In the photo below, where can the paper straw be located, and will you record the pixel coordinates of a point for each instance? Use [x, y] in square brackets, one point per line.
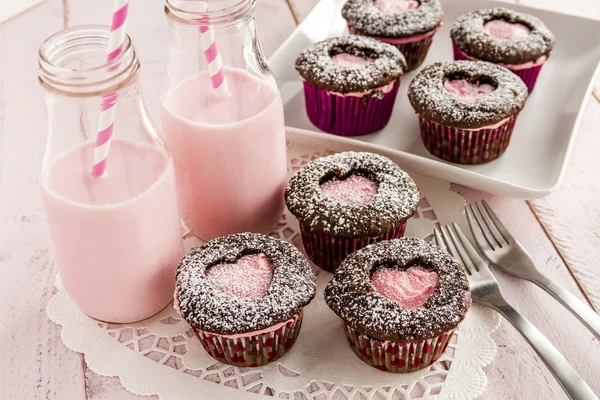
[109, 101]
[213, 57]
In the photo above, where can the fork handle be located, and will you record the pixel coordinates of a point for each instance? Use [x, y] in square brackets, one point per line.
[581, 310]
[569, 379]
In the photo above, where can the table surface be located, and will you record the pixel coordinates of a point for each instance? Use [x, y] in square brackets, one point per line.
[561, 231]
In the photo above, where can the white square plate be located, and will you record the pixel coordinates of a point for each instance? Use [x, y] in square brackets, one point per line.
[533, 164]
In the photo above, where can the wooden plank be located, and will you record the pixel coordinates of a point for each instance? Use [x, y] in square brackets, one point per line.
[571, 216]
[35, 363]
[517, 373]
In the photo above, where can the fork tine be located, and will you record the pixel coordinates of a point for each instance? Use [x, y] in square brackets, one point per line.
[459, 249]
[479, 233]
[468, 247]
[498, 224]
[438, 239]
[486, 225]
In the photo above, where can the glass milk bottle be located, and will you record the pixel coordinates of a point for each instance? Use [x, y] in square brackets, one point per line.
[222, 118]
[116, 237]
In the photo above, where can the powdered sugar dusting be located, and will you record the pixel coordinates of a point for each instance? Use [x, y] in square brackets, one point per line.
[501, 29]
[322, 64]
[430, 98]
[410, 288]
[353, 297]
[249, 277]
[208, 308]
[396, 199]
[378, 18]
[395, 6]
[469, 34]
[467, 91]
[354, 190]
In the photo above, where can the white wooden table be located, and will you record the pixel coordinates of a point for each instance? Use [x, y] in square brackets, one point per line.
[561, 231]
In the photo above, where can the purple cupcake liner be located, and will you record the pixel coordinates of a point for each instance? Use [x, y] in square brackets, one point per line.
[414, 52]
[465, 146]
[397, 356]
[255, 350]
[528, 75]
[328, 252]
[348, 115]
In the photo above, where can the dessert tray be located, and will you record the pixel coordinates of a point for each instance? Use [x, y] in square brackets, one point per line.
[535, 161]
[161, 356]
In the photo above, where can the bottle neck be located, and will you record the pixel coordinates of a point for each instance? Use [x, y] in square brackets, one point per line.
[73, 63]
[216, 14]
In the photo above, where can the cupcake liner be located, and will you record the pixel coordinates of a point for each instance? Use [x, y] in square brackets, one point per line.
[414, 52]
[348, 115]
[528, 75]
[328, 252]
[397, 356]
[255, 350]
[465, 146]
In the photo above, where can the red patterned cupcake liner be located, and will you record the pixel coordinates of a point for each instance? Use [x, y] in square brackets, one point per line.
[397, 356]
[528, 75]
[252, 351]
[465, 146]
[348, 115]
[328, 252]
[414, 52]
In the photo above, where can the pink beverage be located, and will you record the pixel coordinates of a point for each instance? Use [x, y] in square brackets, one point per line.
[116, 238]
[229, 153]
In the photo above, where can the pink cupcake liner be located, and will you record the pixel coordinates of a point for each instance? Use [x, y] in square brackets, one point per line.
[397, 356]
[528, 75]
[464, 146]
[255, 350]
[348, 115]
[415, 52]
[328, 252]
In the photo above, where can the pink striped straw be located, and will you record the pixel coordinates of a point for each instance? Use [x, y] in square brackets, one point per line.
[109, 101]
[213, 57]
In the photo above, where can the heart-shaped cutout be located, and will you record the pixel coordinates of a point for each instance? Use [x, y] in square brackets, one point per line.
[504, 30]
[355, 189]
[249, 277]
[466, 90]
[395, 6]
[411, 287]
[349, 61]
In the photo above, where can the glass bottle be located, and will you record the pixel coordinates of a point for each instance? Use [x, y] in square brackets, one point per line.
[116, 237]
[228, 144]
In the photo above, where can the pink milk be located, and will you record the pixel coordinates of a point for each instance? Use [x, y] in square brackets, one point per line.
[229, 153]
[117, 238]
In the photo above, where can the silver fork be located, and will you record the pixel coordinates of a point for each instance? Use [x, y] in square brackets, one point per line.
[507, 254]
[485, 290]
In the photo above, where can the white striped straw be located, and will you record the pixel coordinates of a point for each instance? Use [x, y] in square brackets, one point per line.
[109, 101]
[213, 57]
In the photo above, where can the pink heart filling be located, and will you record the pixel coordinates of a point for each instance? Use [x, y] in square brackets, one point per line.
[467, 91]
[354, 190]
[411, 287]
[348, 61]
[395, 6]
[249, 277]
[501, 29]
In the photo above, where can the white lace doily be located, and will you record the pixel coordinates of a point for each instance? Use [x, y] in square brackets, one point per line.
[161, 356]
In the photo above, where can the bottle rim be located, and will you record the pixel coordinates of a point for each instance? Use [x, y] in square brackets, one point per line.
[57, 73]
[213, 13]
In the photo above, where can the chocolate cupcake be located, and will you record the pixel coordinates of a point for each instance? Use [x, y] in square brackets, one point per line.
[243, 295]
[350, 84]
[400, 301]
[467, 109]
[347, 201]
[517, 41]
[407, 24]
